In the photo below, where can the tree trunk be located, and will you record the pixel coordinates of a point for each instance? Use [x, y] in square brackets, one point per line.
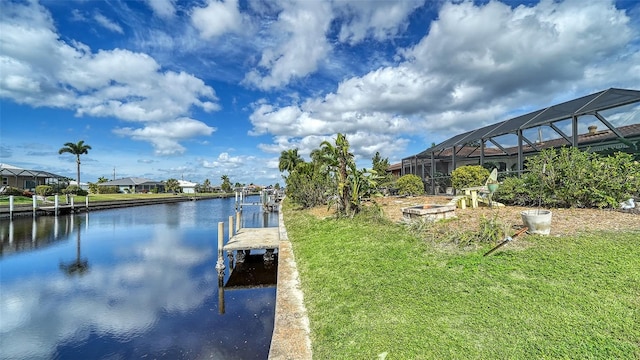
[78, 178]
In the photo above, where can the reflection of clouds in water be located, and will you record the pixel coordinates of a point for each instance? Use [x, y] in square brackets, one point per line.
[120, 301]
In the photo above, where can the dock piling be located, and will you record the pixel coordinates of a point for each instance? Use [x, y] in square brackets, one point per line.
[34, 199]
[238, 219]
[11, 207]
[56, 204]
[220, 264]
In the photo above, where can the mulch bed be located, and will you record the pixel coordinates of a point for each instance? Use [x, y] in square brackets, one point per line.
[563, 222]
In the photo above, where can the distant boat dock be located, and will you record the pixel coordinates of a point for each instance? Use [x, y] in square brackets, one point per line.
[269, 200]
[68, 207]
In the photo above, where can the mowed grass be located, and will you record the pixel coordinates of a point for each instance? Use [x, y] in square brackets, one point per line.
[373, 290]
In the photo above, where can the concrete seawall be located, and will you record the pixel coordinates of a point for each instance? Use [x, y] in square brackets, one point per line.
[291, 326]
[27, 209]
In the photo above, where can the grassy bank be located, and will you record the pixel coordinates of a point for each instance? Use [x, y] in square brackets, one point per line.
[372, 288]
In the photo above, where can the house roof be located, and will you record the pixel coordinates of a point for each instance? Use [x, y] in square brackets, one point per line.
[587, 139]
[396, 166]
[629, 131]
[130, 181]
[590, 104]
[10, 170]
[184, 183]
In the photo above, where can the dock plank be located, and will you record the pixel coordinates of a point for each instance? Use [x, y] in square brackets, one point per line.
[253, 239]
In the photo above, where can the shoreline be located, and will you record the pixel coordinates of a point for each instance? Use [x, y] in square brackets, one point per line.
[22, 210]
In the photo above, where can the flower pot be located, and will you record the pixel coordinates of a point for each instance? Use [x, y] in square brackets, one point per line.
[537, 221]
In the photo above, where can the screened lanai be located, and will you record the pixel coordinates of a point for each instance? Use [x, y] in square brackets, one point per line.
[13, 176]
[602, 121]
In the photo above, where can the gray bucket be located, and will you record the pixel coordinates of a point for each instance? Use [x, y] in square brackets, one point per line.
[537, 221]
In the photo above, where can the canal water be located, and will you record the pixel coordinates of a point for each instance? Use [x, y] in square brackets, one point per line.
[129, 283]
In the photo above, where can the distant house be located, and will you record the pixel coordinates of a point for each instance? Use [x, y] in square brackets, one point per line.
[395, 170]
[135, 185]
[187, 187]
[83, 186]
[25, 179]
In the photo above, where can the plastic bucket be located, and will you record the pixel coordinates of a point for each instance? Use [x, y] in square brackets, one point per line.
[537, 221]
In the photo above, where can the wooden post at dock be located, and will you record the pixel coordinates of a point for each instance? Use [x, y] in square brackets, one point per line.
[86, 202]
[11, 207]
[238, 219]
[34, 199]
[230, 226]
[72, 209]
[56, 203]
[221, 295]
[220, 264]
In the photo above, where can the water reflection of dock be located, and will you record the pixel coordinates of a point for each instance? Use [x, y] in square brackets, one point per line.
[253, 273]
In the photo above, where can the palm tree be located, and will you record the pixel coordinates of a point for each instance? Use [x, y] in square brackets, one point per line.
[339, 159]
[77, 150]
[288, 160]
[226, 183]
[172, 185]
[206, 185]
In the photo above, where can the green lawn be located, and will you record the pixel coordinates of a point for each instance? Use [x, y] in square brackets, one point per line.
[372, 288]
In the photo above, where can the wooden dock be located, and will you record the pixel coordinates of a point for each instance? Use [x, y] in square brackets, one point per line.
[62, 209]
[253, 239]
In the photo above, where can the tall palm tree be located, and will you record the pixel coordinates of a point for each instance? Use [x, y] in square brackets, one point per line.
[206, 185]
[288, 160]
[77, 150]
[226, 183]
[339, 159]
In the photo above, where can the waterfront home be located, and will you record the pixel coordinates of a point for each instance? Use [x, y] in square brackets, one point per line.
[13, 176]
[187, 187]
[135, 185]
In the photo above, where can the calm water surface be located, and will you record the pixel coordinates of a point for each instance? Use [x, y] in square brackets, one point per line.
[129, 283]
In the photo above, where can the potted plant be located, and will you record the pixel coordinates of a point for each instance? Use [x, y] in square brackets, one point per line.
[538, 221]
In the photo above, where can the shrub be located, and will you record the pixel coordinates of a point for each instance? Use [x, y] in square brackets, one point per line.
[108, 190]
[568, 177]
[44, 190]
[75, 189]
[468, 176]
[10, 190]
[410, 185]
[307, 187]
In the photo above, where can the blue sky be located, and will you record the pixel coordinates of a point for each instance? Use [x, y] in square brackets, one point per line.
[200, 89]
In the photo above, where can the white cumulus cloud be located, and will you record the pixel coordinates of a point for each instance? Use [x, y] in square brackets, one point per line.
[124, 84]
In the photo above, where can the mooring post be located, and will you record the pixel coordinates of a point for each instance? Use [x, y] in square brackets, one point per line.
[34, 199]
[238, 219]
[86, 202]
[220, 264]
[72, 208]
[11, 207]
[230, 226]
[56, 202]
[220, 295]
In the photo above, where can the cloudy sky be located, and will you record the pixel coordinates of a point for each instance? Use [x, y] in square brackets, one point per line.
[201, 89]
